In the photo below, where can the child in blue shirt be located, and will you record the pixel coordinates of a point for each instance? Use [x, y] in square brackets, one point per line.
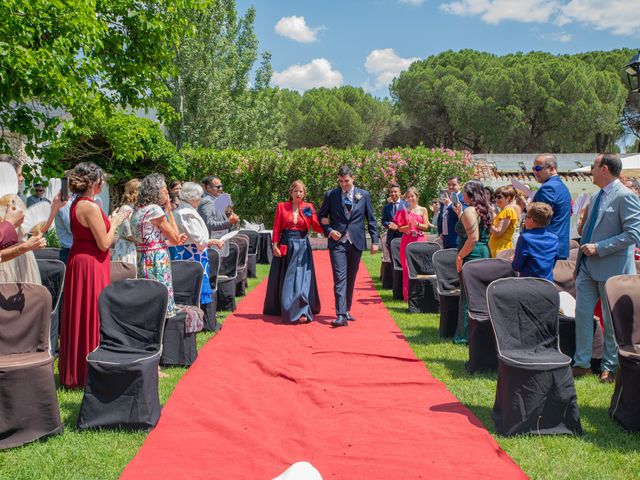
[537, 249]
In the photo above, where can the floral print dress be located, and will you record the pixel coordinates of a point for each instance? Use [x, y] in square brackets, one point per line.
[153, 256]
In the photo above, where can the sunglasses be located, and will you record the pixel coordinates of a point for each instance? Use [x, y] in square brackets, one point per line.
[537, 168]
[499, 196]
[39, 191]
[218, 187]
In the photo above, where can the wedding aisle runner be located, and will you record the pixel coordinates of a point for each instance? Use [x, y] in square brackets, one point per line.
[353, 401]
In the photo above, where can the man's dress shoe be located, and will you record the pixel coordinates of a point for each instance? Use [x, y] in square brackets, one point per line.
[341, 321]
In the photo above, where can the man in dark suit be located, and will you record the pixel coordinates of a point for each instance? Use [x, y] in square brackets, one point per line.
[447, 217]
[342, 215]
[389, 211]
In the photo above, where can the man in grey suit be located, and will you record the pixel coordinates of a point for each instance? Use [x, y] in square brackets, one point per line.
[609, 235]
[217, 221]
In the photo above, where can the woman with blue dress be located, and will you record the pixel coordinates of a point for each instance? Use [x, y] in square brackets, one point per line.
[292, 292]
[190, 223]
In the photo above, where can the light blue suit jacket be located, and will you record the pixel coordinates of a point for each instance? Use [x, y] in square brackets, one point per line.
[616, 232]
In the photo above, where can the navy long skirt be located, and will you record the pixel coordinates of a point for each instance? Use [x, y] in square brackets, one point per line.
[291, 289]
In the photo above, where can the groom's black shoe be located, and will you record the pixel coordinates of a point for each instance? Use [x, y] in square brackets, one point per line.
[341, 321]
[349, 317]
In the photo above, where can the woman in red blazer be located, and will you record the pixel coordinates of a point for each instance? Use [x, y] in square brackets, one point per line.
[292, 292]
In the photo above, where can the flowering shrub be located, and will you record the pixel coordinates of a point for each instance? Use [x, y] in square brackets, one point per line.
[258, 179]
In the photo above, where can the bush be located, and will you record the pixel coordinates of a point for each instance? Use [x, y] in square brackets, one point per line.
[258, 179]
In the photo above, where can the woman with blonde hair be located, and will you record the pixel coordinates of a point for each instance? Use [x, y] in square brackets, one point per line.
[292, 292]
[125, 249]
[505, 223]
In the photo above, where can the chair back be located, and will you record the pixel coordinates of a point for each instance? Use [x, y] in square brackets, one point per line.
[386, 254]
[477, 275]
[122, 271]
[563, 276]
[253, 237]
[214, 267]
[623, 295]
[420, 258]
[52, 275]
[132, 315]
[229, 264]
[187, 279]
[395, 253]
[524, 314]
[242, 241]
[573, 254]
[506, 254]
[48, 253]
[447, 277]
[26, 314]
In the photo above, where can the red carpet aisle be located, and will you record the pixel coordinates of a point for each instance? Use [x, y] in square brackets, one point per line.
[354, 401]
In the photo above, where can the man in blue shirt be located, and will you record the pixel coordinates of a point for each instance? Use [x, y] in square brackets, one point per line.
[537, 248]
[447, 218]
[556, 194]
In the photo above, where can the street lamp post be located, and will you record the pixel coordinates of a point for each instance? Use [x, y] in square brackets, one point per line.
[633, 73]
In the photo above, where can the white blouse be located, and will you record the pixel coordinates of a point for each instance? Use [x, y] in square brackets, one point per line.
[189, 221]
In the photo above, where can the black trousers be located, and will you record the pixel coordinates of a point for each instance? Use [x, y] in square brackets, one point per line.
[345, 261]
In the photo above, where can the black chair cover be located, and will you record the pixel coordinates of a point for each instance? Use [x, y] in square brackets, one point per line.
[535, 391]
[52, 275]
[47, 254]
[265, 251]
[477, 275]
[122, 373]
[564, 282]
[386, 266]
[448, 288]
[397, 269]
[178, 347]
[210, 311]
[242, 242]
[252, 260]
[623, 294]
[423, 296]
[28, 403]
[227, 279]
[122, 271]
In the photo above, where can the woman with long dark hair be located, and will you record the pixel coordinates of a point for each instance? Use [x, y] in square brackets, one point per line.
[473, 238]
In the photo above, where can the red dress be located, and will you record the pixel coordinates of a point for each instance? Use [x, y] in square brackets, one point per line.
[88, 272]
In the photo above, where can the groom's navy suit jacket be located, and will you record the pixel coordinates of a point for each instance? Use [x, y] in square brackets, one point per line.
[362, 209]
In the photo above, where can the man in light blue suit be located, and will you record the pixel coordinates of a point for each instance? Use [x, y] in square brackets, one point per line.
[342, 214]
[609, 235]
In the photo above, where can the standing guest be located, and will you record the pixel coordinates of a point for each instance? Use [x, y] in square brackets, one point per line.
[174, 192]
[389, 212]
[412, 221]
[88, 272]
[151, 224]
[448, 217]
[491, 198]
[504, 223]
[473, 231]
[38, 196]
[292, 292]
[125, 249]
[611, 230]
[537, 249]
[555, 193]
[190, 223]
[218, 222]
[63, 229]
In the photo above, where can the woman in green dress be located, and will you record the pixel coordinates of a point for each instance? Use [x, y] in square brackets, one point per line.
[473, 239]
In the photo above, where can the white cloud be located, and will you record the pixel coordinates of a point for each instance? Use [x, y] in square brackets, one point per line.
[296, 28]
[619, 16]
[317, 73]
[412, 2]
[385, 64]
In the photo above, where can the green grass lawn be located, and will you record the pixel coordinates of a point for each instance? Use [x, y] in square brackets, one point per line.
[89, 454]
[604, 451]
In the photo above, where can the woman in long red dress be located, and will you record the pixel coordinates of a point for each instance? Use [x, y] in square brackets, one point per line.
[88, 272]
[412, 222]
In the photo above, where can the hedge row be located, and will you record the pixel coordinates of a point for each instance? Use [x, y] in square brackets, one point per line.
[258, 179]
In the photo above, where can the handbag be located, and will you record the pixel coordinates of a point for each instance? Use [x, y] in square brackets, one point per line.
[283, 250]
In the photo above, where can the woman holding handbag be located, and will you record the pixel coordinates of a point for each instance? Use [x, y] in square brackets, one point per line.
[292, 292]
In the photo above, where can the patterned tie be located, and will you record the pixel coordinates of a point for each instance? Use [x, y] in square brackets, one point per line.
[347, 202]
[592, 220]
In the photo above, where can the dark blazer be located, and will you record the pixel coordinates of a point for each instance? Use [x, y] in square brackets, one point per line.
[387, 217]
[362, 209]
[451, 239]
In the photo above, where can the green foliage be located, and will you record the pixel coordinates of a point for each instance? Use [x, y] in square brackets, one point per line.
[515, 103]
[258, 179]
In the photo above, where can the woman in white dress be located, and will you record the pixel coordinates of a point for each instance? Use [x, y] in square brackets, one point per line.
[125, 248]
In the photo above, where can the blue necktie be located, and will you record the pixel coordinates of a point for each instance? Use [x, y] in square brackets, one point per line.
[592, 220]
[347, 202]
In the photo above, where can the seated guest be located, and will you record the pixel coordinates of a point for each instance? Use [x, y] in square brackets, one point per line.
[190, 223]
[504, 223]
[389, 211]
[38, 195]
[537, 249]
[217, 221]
[125, 249]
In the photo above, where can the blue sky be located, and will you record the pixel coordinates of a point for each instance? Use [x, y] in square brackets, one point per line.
[366, 43]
